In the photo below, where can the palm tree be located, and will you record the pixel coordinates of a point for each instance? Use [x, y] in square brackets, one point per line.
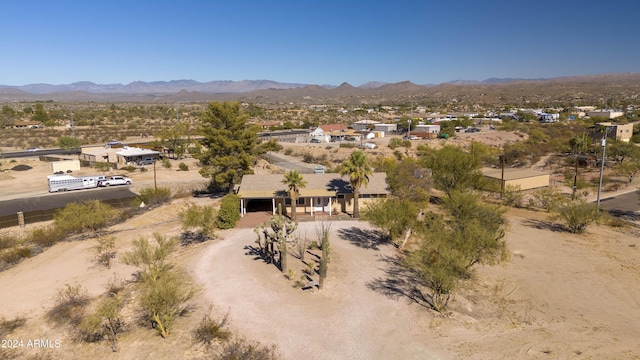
[358, 168]
[294, 182]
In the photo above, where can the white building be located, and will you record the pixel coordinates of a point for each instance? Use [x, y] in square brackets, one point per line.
[364, 124]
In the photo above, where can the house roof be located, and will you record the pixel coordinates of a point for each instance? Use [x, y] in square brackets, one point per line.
[133, 151]
[328, 184]
[512, 174]
[333, 127]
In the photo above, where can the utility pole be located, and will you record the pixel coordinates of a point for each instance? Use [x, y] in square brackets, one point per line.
[575, 179]
[502, 176]
[73, 130]
[604, 148]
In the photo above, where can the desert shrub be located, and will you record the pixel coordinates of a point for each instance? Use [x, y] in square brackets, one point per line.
[90, 215]
[183, 167]
[143, 169]
[16, 254]
[8, 326]
[166, 163]
[347, 145]
[69, 305]
[209, 329]
[154, 196]
[166, 298]
[578, 215]
[513, 196]
[548, 198]
[288, 151]
[151, 259]
[105, 250]
[129, 168]
[243, 349]
[105, 322]
[201, 217]
[102, 166]
[308, 157]
[7, 241]
[46, 236]
[229, 213]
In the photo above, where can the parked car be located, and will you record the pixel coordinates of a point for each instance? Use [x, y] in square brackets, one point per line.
[33, 149]
[115, 180]
[315, 141]
[146, 161]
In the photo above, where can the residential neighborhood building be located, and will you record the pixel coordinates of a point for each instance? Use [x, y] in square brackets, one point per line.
[525, 179]
[325, 194]
[616, 132]
[609, 114]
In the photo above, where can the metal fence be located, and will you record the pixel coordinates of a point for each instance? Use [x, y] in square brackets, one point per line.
[31, 217]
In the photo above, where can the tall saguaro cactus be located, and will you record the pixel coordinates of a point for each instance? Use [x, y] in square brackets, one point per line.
[322, 232]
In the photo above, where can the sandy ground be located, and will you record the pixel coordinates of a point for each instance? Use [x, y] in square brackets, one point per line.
[560, 296]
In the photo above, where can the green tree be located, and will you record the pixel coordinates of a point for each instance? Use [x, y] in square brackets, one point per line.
[40, 114]
[410, 180]
[294, 181]
[396, 216]
[628, 169]
[478, 230]
[453, 169]
[358, 169]
[619, 151]
[231, 145]
[68, 142]
[436, 264]
[549, 198]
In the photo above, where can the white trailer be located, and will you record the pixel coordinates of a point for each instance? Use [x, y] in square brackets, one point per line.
[65, 182]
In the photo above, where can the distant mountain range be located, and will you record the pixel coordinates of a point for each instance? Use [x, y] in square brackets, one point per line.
[625, 85]
[212, 87]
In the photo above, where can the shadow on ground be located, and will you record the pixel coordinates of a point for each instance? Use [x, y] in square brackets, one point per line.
[368, 239]
[543, 225]
[398, 282]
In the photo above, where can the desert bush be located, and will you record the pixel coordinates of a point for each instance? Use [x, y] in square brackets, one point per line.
[548, 198]
[347, 145]
[46, 236]
[8, 326]
[69, 305]
[16, 254]
[209, 329]
[150, 259]
[91, 215]
[243, 349]
[102, 166]
[513, 196]
[166, 163]
[105, 322]
[154, 196]
[183, 167]
[201, 217]
[288, 151]
[105, 250]
[578, 215]
[129, 168]
[166, 298]
[7, 241]
[229, 213]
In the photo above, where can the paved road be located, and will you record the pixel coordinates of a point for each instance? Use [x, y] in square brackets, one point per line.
[59, 200]
[622, 204]
[288, 163]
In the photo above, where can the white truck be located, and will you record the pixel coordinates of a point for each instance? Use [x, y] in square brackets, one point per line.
[115, 180]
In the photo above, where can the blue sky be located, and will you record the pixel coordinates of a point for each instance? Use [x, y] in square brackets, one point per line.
[314, 42]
